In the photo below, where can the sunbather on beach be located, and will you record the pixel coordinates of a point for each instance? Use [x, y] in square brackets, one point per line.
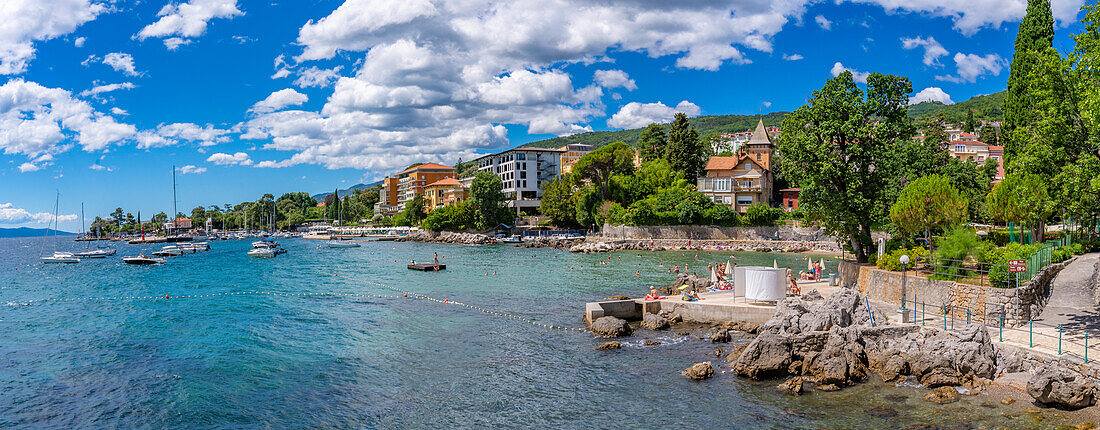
[653, 294]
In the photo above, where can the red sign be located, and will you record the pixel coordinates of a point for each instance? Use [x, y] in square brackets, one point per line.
[1015, 266]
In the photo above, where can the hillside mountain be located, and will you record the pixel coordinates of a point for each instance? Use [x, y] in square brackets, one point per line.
[30, 232]
[706, 125]
[347, 191]
[986, 107]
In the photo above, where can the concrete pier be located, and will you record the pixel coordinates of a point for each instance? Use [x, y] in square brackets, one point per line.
[718, 306]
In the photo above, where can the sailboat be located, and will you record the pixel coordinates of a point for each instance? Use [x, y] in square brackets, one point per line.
[57, 257]
[341, 243]
[142, 259]
[100, 251]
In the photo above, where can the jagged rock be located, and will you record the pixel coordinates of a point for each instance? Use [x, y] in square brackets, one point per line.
[618, 297]
[942, 395]
[1008, 401]
[895, 367]
[611, 327]
[649, 342]
[448, 237]
[793, 385]
[684, 333]
[735, 351]
[718, 352]
[745, 326]
[610, 345]
[699, 371]
[720, 336]
[828, 387]
[1055, 386]
[654, 322]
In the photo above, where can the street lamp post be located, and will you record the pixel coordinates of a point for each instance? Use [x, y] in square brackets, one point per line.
[903, 311]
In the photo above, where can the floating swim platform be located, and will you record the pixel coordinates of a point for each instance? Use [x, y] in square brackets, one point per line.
[427, 267]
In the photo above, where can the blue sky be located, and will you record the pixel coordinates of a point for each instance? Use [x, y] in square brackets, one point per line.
[99, 99]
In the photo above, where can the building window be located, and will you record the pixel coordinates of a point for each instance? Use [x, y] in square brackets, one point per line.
[744, 200]
[748, 166]
[747, 184]
[523, 174]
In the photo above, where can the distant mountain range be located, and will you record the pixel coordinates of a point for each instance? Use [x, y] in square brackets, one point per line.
[347, 191]
[987, 107]
[30, 232]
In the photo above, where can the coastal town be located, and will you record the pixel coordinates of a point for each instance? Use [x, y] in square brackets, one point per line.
[502, 215]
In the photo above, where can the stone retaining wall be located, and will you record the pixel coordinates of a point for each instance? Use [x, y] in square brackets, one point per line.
[986, 304]
[708, 232]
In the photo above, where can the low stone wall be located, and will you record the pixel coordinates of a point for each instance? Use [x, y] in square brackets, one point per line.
[986, 304]
[708, 232]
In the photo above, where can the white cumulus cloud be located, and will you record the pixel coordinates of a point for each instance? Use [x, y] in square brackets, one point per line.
[972, 66]
[36, 120]
[857, 76]
[99, 89]
[191, 169]
[316, 77]
[635, 115]
[25, 22]
[187, 20]
[792, 57]
[931, 94]
[932, 49]
[969, 16]
[121, 62]
[615, 79]
[9, 214]
[223, 159]
[823, 22]
[279, 100]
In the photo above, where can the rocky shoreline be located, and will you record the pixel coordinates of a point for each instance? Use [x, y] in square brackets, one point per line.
[460, 238]
[827, 344]
[597, 245]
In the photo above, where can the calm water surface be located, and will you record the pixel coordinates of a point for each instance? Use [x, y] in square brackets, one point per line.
[261, 361]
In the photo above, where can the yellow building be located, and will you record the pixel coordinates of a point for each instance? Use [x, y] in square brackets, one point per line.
[445, 192]
[573, 152]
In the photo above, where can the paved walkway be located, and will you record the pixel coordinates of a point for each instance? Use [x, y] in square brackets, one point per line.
[1071, 302]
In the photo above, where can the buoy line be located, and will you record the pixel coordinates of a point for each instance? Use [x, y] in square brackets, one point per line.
[474, 307]
[404, 294]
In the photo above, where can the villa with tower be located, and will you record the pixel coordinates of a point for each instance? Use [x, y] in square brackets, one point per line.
[744, 178]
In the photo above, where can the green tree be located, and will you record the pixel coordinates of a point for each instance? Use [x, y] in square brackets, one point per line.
[970, 125]
[117, 216]
[557, 201]
[927, 203]
[988, 134]
[198, 217]
[685, 149]
[414, 210]
[1079, 190]
[487, 199]
[652, 142]
[600, 165]
[1022, 199]
[840, 148]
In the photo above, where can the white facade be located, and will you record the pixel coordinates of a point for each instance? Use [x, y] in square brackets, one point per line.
[523, 172]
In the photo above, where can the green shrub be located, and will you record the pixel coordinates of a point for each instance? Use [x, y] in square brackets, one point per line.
[892, 261]
[998, 259]
[954, 249]
[760, 214]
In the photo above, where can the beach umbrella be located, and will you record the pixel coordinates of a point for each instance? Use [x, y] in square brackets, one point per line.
[713, 276]
[809, 264]
[683, 287]
[729, 268]
[822, 264]
[775, 264]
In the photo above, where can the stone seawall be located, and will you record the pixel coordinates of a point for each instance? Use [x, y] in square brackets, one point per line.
[707, 232]
[986, 304]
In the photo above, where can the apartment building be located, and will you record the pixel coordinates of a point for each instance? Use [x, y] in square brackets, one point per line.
[445, 192]
[523, 171]
[978, 152]
[406, 184]
[573, 153]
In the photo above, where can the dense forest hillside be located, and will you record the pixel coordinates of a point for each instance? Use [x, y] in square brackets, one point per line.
[987, 107]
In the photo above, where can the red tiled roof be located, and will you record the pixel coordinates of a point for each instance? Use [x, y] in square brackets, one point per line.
[996, 148]
[728, 163]
[427, 166]
[967, 135]
[445, 182]
[791, 189]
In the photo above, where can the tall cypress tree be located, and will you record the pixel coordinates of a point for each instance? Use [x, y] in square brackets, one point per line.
[685, 150]
[652, 142]
[970, 124]
[1036, 35]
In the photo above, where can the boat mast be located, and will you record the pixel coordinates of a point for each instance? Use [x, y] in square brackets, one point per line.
[174, 212]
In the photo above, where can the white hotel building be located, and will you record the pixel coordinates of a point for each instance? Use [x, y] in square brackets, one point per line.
[523, 172]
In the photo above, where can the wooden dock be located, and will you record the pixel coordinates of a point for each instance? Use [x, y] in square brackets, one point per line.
[427, 267]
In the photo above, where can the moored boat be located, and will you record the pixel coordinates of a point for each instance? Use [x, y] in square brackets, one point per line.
[263, 252]
[169, 251]
[60, 257]
[143, 259]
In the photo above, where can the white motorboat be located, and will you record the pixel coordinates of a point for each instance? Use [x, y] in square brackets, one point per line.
[143, 259]
[263, 252]
[60, 257]
[342, 244]
[96, 253]
[264, 244]
[194, 247]
[169, 251]
[515, 238]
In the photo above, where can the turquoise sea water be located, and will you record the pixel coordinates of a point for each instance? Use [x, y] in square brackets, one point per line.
[267, 361]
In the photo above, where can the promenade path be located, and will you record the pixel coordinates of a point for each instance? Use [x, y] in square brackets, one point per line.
[1071, 302]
